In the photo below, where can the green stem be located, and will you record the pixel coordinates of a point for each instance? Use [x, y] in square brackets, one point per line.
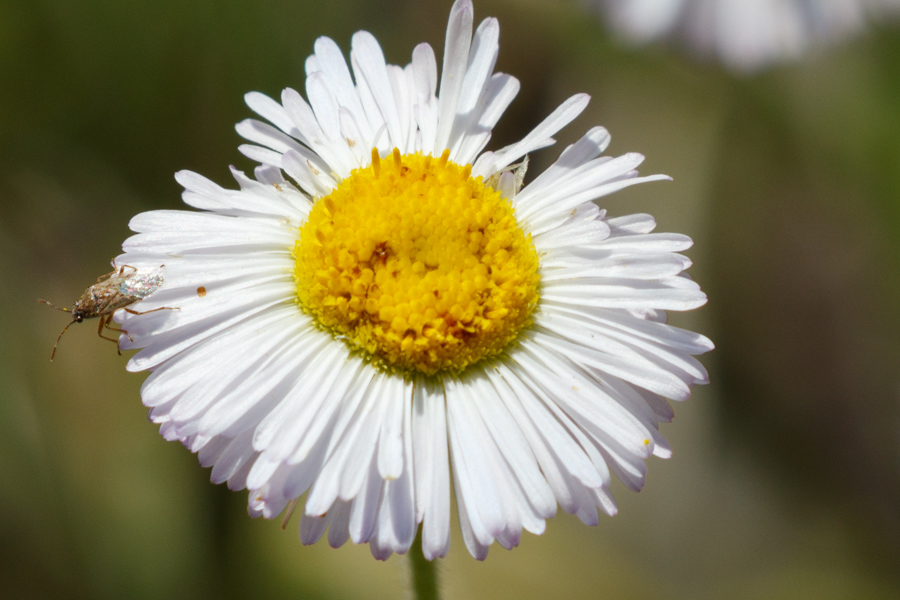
[424, 572]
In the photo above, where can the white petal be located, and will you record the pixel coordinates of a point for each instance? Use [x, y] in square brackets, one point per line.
[272, 112]
[425, 81]
[476, 486]
[456, 58]
[366, 505]
[432, 474]
[541, 136]
[483, 56]
[398, 399]
[334, 68]
[368, 57]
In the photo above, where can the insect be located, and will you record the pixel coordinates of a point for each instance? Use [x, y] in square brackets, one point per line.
[115, 290]
[518, 170]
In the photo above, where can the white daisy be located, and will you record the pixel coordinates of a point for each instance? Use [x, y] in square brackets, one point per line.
[399, 310]
[745, 34]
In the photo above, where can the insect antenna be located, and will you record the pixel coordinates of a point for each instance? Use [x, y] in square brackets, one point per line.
[53, 352]
[51, 305]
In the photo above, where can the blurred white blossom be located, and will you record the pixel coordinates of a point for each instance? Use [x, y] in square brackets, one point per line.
[746, 35]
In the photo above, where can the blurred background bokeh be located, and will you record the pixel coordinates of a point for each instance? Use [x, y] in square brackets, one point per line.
[785, 479]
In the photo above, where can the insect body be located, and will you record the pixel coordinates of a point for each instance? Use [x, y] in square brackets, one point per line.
[115, 290]
[518, 170]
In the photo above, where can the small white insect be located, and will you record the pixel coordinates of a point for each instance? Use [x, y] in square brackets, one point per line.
[115, 290]
[518, 170]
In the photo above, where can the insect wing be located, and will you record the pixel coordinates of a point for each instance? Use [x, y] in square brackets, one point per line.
[119, 291]
[140, 284]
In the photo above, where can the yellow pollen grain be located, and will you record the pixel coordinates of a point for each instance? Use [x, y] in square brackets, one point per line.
[418, 265]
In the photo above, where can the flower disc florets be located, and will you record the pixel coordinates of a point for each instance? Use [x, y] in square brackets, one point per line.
[417, 264]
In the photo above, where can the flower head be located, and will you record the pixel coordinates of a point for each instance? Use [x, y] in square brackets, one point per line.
[385, 307]
[746, 35]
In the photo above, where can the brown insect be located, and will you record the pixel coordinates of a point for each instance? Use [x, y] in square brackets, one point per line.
[115, 290]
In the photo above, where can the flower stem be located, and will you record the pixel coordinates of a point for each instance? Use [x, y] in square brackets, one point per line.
[424, 572]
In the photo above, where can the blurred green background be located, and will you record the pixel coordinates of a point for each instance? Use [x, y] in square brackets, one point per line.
[785, 480]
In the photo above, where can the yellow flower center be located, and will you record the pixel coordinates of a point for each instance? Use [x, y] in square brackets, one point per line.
[417, 264]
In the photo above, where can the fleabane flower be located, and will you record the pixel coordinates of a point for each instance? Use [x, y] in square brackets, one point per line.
[746, 35]
[385, 308]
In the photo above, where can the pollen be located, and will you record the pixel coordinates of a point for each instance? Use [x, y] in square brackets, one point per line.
[418, 265]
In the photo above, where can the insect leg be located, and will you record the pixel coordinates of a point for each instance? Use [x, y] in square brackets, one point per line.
[104, 322]
[135, 312]
[120, 271]
[105, 277]
[116, 329]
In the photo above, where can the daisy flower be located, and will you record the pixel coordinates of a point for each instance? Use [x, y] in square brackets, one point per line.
[746, 35]
[385, 312]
